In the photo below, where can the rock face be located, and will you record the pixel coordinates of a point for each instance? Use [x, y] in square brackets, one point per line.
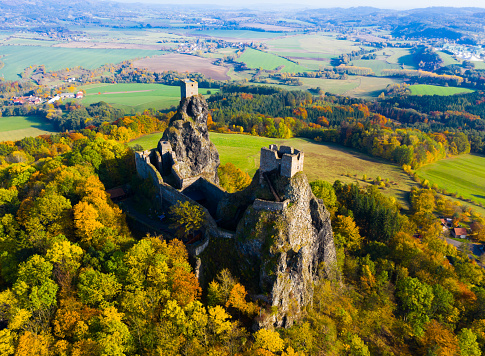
[289, 249]
[189, 137]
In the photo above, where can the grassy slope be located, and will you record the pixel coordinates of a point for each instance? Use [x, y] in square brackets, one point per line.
[17, 58]
[424, 89]
[327, 162]
[158, 97]
[464, 175]
[14, 128]
[268, 61]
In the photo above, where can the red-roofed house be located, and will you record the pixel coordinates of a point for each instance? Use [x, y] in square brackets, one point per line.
[459, 232]
[79, 95]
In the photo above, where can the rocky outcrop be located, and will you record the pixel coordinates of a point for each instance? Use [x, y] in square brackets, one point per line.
[288, 248]
[188, 136]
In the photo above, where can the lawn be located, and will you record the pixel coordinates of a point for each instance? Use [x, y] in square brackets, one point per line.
[327, 162]
[134, 97]
[17, 58]
[14, 128]
[425, 89]
[464, 175]
[258, 59]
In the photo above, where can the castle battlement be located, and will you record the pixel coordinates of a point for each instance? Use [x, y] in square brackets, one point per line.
[286, 160]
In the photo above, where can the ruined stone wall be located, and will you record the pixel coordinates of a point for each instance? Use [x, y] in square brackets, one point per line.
[286, 160]
[198, 248]
[291, 164]
[146, 170]
[188, 88]
[260, 204]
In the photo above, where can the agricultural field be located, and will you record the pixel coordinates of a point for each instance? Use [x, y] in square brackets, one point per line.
[463, 175]
[135, 97]
[258, 59]
[183, 63]
[375, 64]
[479, 65]
[371, 87]
[235, 34]
[400, 56]
[447, 59]
[327, 162]
[14, 128]
[17, 58]
[424, 89]
[314, 44]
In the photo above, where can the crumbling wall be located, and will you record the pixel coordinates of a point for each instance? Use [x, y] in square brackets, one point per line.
[260, 204]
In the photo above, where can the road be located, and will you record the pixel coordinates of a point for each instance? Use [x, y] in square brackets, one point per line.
[475, 247]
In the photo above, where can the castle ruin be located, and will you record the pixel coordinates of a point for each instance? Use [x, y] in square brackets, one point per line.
[188, 88]
[286, 161]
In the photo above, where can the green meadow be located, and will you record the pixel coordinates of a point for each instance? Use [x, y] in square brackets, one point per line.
[375, 64]
[135, 97]
[14, 128]
[258, 59]
[447, 58]
[425, 89]
[327, 162]
[17, 58]
[464, 175]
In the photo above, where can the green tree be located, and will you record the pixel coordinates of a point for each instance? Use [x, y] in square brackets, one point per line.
[467, 340]
[96, 288]
[34, 288]
[415, 299]
[186, 217]
[324, 190]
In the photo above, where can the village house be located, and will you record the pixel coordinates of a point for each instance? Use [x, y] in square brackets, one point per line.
[459, 232]
[27, 99]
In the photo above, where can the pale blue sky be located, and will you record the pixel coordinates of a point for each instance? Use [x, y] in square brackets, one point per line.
[385, 4]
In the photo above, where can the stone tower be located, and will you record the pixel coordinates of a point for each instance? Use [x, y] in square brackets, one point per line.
[188, 88]
[286, 161]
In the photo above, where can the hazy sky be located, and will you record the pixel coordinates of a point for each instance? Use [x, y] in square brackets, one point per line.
[385, 4]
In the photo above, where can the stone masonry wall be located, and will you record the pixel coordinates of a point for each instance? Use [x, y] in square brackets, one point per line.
[260, 204]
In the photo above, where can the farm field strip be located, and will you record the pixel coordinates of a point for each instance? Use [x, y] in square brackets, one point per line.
[464, 175]
[425, 89]
[256, 59]
[135, 97]
[17, 58]
[375, 64]
[14, 128]
[447, 59]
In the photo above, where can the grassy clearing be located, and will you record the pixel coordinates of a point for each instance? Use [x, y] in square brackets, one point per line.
[464, 175]
[322, 44]
[327, 162]
[17, 58]
[371, 87]
[424, 89]
[376, 65]
[14, 128]
[479, 65]
[256, 59]
[135, 97]
[447, 59]
[333, 86]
